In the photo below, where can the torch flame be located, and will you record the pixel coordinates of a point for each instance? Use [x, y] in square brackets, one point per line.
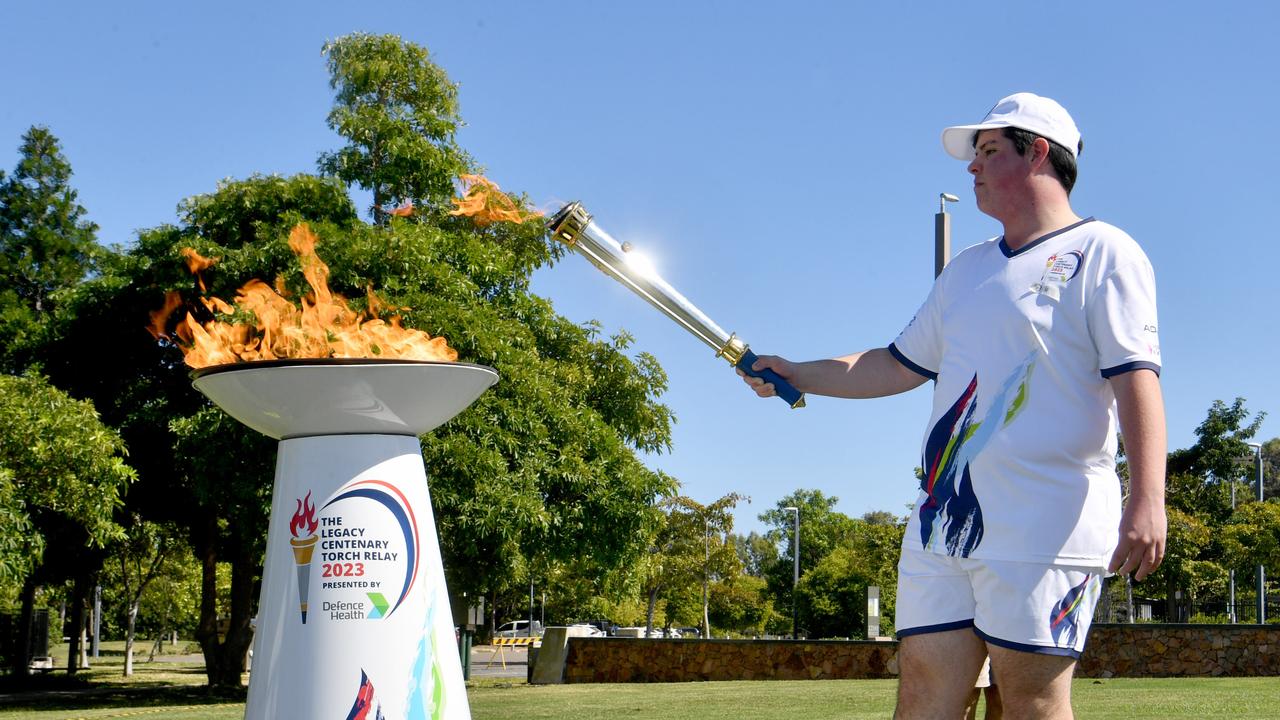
[405, 210]
[305, 517]
[325, 326]
[486, 204]
[197, 264]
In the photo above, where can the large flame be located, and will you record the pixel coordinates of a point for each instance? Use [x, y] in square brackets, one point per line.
[304, 518]
[485, 203]
[323, 327]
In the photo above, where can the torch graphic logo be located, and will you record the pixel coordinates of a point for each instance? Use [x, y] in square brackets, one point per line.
[303, 527]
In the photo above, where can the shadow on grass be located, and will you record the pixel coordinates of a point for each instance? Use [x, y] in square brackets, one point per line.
[57, 691]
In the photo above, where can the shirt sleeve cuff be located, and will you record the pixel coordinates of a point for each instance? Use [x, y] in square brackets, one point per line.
[897, 355]
[1130, 367]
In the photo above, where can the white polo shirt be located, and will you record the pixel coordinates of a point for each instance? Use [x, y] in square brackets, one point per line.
[1019, 457]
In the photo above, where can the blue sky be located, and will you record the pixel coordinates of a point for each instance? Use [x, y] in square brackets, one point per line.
[781, 163]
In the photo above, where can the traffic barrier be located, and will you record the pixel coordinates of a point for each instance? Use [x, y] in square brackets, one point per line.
[504, 642]
[514, 641]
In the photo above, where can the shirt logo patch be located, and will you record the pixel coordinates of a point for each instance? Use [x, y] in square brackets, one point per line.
[1062, 268]
[1058, 271]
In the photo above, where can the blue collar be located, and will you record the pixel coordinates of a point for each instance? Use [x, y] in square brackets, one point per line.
[1004, 247]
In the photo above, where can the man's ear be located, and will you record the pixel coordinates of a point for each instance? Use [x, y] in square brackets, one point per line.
[1039, 153]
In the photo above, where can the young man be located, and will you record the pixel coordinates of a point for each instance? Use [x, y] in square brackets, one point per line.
[1037, 341]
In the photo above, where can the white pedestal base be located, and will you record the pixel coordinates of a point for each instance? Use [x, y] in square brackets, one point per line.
[378, 640]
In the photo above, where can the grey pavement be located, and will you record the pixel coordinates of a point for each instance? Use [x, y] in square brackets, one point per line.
[487, 662]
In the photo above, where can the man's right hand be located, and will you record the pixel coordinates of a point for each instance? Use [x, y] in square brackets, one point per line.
[874, 373]
[782, 366]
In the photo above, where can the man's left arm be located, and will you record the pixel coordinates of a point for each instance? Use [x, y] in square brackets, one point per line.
[1143, 525]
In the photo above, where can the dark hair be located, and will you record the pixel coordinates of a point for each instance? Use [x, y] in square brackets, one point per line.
[1063, 162]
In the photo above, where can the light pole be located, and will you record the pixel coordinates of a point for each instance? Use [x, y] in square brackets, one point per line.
[1231, 572]
[795, 572]
[706, 565]
[1262, 573]
[942, 233]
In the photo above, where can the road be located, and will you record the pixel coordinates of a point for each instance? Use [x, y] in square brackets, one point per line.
[486, 662]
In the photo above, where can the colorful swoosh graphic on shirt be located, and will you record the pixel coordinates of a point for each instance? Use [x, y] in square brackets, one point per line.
[952, 515]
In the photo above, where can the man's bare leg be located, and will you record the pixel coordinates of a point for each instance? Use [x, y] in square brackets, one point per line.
[1033, 686]
[936, 674]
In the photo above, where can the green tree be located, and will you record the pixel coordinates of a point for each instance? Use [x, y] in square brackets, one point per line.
[146, 551]
[1221, 443]
[756, 552]
[822, 530]
[399, 114]
[833, 594]
[687, 552]
[881, 517]
[741, 604]
[1252, 537]
[1199, 485]
[1186, 567]
[46, 244]
[1271, 468]
[67, 473]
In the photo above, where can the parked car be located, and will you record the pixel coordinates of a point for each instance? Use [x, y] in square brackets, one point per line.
[518, 628]
[587, 630]
[639, 632]
[606, 627]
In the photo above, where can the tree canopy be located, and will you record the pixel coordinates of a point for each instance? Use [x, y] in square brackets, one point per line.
[64, 473]
[399, 114]
[46, 244]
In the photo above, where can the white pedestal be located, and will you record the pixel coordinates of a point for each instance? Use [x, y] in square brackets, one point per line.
[353, 619]
[378, 635]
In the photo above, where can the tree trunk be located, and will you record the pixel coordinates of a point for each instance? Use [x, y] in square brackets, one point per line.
[706, 618]
[653, 602]
[207, 630]
[156, 646]
[79, 596]
[128, 638]
[21, 659]
[239, 638]
[225, 657]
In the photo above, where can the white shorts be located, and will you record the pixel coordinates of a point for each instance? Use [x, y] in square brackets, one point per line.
[1020, 606]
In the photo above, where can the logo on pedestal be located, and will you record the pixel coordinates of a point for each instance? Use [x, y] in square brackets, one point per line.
[303, 527]
[367, 548]
[365, 540]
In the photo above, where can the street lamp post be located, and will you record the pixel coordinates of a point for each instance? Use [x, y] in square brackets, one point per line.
[1262, 573]
[942, 233]
[706, 565]
[795, 572]
[1231, 573]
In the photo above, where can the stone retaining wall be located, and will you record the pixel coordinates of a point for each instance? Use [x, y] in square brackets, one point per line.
[1143, 650]
[645, 660]
[1181, 651]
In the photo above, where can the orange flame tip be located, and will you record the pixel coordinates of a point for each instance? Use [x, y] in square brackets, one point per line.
[485, 203]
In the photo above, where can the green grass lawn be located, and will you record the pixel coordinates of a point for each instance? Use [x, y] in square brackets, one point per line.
[175, 690]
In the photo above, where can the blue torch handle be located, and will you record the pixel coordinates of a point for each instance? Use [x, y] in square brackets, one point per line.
[794, 397]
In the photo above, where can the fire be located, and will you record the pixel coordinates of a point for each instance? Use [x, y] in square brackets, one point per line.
[197, 264]
[404, 210]
[486, 204]
[323, 327]
[305, 517]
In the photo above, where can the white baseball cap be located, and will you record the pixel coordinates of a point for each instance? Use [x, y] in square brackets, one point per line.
[1027, 111]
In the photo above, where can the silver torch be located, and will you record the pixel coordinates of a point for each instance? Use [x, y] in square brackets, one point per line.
[573, 226]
